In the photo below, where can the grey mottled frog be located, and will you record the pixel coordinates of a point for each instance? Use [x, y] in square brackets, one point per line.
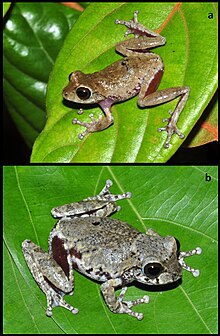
[104, 249]
[139, 73]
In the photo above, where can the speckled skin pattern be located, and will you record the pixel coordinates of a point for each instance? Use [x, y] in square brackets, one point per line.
[105, 249]
[138, 73]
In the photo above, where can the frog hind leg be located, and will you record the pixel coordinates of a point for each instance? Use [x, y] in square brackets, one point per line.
[106, 195]
[49, 276]
[164, 96]
[148, 96]
[136, 46]
[100, 205]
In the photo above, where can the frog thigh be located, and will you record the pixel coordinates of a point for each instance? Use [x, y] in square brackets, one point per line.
[49, 276]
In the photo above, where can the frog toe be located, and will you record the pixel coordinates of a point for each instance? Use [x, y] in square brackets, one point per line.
[171, 129]
[55, 299]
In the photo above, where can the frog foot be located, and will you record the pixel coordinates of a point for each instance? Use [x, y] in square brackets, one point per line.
[134, 27]
[182, 255]
[125, 306]
[105, 195]
[91, 127]
[132, 24]
[55, 299]
[170, 128]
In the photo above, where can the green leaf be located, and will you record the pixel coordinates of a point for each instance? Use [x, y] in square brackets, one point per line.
[206, 130]
[33, 36]
[177, 201]
[6, 6]
[84, 4]
[190, 55]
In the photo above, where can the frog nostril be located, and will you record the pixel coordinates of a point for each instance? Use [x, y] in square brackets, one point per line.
[65, 93]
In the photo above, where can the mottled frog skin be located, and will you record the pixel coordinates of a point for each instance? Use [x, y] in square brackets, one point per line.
[104, 249]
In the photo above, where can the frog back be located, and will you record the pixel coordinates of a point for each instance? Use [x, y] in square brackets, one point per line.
[100, 248]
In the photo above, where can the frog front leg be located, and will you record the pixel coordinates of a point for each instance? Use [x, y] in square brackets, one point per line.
[97, 125]
[117, 305]
[49, 276]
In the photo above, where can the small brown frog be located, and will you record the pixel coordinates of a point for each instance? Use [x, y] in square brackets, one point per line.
[139, 73]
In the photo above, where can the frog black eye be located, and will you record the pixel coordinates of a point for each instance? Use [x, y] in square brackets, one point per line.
[83, 93]
[153, 270]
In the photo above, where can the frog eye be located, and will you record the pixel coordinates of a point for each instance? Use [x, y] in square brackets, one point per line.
[83, 93]
[153, 270]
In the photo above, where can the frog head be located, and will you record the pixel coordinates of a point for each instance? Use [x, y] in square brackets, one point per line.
[161, 260]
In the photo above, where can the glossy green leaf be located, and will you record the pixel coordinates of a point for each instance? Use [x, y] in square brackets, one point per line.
[33, 36]
[177, 201]
[6, 6]
[190, 55]
[84, 4]
[206, 129]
